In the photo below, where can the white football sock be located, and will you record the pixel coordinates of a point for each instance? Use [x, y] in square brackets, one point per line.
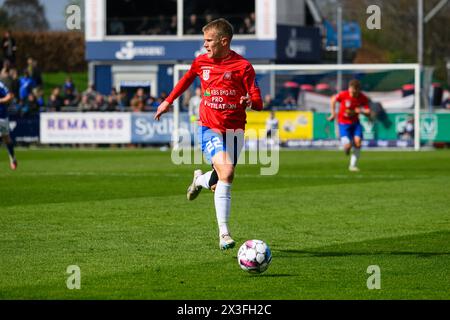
[222, 201]
[203, 180]
[355, 156]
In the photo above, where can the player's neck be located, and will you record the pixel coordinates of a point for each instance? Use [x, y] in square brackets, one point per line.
[224, 55]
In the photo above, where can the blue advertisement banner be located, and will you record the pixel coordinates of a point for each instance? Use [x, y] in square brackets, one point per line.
[171, 50]
[351, 35]
[24, 129]
[144, 129]
[298, 44]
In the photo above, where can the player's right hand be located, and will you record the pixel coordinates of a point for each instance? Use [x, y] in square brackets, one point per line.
[331, 117]
[163, 108]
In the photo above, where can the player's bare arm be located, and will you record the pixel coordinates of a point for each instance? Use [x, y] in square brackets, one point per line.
[7, 98]
[364, 110]
[332, 109]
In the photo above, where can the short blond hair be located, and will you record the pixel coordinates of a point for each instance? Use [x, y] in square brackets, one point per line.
[222, 26]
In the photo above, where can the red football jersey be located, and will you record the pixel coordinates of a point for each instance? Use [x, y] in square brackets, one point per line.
[348, 105]
[223, 81]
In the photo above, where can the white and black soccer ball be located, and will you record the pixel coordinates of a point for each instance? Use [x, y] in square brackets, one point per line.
[254, 256]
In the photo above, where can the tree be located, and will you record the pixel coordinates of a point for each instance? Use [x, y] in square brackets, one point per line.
[26, 14]
[5, 22]
[398, 34]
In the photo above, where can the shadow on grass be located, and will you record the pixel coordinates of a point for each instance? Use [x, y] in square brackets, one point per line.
[424, 245]
[277, 275]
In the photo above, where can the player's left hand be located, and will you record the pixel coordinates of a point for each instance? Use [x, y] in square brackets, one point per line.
[246, 101]
[163, 108]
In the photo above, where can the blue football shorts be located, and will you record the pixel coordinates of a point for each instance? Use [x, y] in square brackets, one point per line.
[213, 142]
[348, 131]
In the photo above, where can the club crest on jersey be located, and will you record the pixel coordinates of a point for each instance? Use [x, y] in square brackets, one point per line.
[206, 74]
[227, 76]
[348, 103]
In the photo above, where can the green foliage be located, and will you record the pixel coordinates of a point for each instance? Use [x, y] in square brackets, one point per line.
[26, 15]
[5, 21]
[123, 218]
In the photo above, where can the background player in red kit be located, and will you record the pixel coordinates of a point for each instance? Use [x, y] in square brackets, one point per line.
[229, 86]
[352, 103]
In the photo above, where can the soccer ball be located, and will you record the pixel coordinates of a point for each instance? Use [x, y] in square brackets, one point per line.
[254, 256]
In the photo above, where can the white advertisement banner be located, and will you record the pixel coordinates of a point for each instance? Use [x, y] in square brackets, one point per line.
[90, 127]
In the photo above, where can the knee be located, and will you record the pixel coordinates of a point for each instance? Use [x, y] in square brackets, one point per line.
[226, 174]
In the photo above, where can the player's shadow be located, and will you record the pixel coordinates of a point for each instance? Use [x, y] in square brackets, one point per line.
[312, 253]
[423, 245]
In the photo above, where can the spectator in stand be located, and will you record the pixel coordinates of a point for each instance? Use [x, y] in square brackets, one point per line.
[145, 26]
[69, 84]
[70, 99]
[26, 85]
[112, 104]
[15, 83]
[123, 101]
[268, 102]
[161, 26]
[151, 104]
[163, 95]
[208, 17]
[6, 66]
[29, 107]
[253, 18]
[446, 104]
[39, 94]
[90, 93]
[5, 75]
[112, 100]
[247, 27]
[55, 101]
[116, 27]
[34, 71]
[84, 104]
[173, 25]
[290, 102]
[138, 101]
[193, 26]
[9, 47]
[100, 103]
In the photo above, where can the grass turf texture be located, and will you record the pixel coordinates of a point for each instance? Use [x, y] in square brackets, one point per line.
[123, 218]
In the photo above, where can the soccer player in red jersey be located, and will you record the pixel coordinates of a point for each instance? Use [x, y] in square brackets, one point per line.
[352, 103]
[228, 83]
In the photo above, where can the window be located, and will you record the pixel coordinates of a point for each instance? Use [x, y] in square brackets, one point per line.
[240, 13]
[141, 17]
[152, 17]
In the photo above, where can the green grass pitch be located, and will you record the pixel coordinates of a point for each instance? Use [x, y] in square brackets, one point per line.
[123, 218]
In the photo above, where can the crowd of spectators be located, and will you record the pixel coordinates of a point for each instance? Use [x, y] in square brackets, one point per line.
[167, 25]
[242, 24]
[27, 87]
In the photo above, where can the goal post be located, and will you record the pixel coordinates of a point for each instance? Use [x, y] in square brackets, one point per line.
[271, 72]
